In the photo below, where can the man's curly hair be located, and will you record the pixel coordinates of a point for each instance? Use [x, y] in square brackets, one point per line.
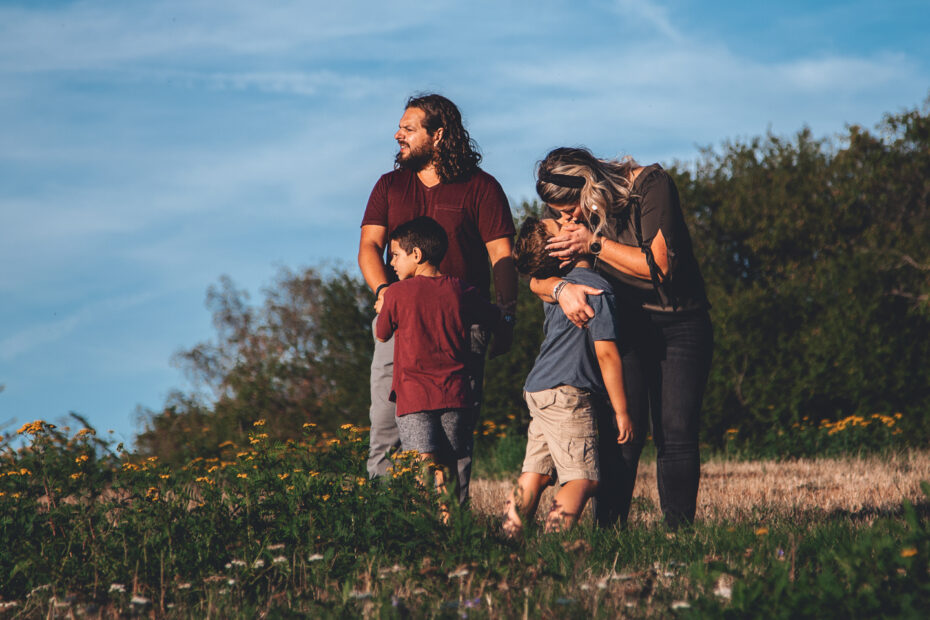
[457, 155]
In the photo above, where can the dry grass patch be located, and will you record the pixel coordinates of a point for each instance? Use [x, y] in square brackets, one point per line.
[732, 491]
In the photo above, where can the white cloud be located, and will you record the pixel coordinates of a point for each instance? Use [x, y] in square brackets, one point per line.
[651, 13]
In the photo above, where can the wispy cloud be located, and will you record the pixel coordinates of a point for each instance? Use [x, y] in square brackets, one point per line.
[46, 333]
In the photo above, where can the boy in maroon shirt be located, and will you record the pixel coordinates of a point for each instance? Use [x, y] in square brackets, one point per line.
[430, 315]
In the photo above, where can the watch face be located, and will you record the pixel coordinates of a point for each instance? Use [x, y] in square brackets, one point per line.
[596, 247]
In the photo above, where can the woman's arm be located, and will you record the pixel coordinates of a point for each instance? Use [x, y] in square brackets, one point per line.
[576, 239]
[573, 298]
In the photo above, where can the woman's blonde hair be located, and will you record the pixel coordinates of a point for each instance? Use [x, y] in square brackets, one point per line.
[569, 176]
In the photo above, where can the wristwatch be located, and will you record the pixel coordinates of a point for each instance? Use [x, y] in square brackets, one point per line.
[595, 247]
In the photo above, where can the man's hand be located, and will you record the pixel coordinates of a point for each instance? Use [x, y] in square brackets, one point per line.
[502, 340]
[380, 301]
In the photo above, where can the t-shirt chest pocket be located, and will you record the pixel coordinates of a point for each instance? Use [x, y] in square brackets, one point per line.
[449, 215]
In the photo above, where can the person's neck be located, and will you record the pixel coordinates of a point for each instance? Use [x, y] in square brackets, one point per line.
[583, 263]
[429, 176]
[426, 270]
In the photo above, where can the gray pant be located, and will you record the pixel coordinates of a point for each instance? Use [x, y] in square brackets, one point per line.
[384, 436]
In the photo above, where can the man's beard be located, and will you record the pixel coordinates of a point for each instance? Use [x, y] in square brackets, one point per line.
[416, 159]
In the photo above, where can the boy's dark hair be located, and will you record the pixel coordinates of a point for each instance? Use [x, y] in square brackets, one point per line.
[530, 254]
[425, 233]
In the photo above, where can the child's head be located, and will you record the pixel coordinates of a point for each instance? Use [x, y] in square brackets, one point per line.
[529, 252]
[421, 240]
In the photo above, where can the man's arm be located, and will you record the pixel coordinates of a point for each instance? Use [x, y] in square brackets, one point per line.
[500, 251]
[384, 324]
[371, 256]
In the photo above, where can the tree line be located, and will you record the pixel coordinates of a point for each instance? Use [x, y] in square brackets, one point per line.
[816, 256]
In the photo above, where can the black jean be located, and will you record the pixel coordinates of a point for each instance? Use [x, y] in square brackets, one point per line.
[666, 362]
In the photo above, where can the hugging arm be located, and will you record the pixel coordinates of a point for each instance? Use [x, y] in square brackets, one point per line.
[573, 298]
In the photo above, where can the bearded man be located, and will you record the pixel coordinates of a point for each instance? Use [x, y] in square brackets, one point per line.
[436, 174]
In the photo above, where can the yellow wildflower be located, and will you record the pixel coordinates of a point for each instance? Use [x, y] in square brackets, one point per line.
[258, 422]
[77, 475]
[909, 552]
[309, 425]
[242, 475]
[34, 428]
[81, 459]
[326, 497]
[346, 427]
[283, 476]
[762, 531]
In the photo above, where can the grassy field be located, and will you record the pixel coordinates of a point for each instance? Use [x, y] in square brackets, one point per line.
[282, 529]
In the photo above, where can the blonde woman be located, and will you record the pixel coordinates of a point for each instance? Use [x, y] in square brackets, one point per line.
[628, 217]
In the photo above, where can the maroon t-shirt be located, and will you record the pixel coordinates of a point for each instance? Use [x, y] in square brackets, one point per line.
[430, 319]
[472, 212]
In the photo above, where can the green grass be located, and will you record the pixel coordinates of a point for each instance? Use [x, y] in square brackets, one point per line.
[293, 529]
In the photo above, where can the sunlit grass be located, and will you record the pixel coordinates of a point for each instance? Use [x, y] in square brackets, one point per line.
[296, 526]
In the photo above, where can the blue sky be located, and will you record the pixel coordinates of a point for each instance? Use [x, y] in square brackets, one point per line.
[146, 148]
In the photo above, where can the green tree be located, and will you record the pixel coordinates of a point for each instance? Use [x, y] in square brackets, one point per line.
[817, 261]
[302, 356]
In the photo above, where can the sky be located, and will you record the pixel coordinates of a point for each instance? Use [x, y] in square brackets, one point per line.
[148, 148]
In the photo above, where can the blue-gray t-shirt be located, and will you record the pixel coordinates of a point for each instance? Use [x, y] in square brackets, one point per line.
[566, 356]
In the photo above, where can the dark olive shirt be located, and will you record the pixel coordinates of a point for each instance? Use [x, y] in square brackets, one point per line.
[655, 206]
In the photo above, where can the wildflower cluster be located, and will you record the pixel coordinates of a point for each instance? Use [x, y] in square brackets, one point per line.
[806, 438]
[70, 504]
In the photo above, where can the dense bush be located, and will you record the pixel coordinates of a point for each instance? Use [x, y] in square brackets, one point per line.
[817, 261]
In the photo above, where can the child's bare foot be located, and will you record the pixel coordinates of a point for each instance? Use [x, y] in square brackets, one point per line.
[512, 524]
[558, 520]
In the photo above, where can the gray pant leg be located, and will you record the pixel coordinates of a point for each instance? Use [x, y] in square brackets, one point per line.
[479, 345]
[384, 435]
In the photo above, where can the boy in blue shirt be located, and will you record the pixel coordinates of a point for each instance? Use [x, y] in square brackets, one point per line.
[575, 369]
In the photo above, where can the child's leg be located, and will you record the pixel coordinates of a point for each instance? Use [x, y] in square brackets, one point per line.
[523, 501]
[568, 504]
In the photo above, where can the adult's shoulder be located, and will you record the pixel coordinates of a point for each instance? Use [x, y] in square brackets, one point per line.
[394, 176]
[484, 179]
[651, 174]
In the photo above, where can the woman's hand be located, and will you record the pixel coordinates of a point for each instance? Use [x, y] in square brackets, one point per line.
[573, 299]
[574, 239]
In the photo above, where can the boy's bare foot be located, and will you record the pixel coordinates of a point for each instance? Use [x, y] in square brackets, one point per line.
[558, 520]
[512, 524]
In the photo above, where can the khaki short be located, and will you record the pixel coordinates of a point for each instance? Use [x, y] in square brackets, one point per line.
[562, 437]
